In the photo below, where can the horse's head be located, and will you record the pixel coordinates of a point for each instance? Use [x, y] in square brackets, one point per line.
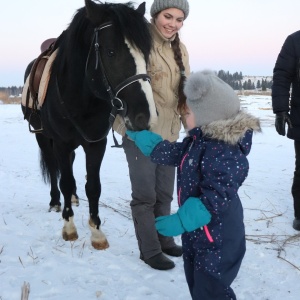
[116, 64]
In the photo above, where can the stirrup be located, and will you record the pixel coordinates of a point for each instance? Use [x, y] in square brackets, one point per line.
[40, 130]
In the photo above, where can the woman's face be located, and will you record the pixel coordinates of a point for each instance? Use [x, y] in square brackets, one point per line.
[169, 21]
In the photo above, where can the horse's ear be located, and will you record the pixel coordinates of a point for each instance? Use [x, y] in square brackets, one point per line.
[142, 8]
[92, 10]
[89, 4]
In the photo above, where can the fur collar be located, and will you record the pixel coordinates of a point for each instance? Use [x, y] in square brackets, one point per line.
[232, 130]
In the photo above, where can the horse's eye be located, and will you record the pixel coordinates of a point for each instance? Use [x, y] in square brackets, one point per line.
[110, 52]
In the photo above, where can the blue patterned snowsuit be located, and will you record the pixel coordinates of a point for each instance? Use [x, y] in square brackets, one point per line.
[213, 170]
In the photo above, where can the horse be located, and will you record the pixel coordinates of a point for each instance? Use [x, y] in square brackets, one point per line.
[100, 70]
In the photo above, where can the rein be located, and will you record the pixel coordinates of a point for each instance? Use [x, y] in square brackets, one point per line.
[118, 105]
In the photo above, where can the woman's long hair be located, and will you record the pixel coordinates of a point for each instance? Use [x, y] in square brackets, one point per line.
[178, 58]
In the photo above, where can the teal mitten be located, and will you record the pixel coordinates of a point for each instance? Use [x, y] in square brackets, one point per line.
[169, 225]
[193, 214]
[190, 216]
[145, 140]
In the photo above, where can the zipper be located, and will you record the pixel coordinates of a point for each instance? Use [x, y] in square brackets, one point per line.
[207, 233]
[179, 192]
[178, 196]
[181, 164]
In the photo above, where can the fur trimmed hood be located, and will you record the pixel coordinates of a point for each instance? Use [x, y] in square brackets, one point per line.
[232, 130]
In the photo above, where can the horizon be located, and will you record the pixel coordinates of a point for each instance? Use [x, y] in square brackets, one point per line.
[235, 37]
[245, 77]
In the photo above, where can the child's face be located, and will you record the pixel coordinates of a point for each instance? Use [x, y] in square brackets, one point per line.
[190, 119]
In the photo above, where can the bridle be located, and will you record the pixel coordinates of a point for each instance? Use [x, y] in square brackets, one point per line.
[119, 106]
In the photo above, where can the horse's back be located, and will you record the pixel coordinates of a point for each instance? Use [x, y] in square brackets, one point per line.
[28, 69]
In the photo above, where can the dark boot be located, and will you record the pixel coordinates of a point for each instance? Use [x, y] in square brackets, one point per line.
[296, 224]
[173, 251]
[159, 262]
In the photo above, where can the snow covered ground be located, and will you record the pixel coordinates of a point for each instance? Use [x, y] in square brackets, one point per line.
[33, 251]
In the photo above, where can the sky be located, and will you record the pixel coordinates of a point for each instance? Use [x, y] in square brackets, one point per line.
[33, 251]
[234, 35]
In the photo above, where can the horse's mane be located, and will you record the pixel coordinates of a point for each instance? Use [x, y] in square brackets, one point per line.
[132, 25]
[76, 39]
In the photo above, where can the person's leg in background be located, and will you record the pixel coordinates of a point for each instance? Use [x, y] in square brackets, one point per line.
[296, 187]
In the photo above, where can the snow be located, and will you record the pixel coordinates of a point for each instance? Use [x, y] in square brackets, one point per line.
[33, 251]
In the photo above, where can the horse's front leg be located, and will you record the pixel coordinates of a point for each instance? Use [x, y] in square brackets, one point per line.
[67, 185]
[94, 156]
[69, 231]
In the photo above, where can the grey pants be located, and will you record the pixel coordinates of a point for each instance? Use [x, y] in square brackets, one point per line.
[152, 188]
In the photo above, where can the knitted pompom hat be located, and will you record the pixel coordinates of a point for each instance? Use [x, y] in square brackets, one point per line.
[159, 5]
[210, 98]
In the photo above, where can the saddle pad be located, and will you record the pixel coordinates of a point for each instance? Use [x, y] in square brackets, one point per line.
[43, 84]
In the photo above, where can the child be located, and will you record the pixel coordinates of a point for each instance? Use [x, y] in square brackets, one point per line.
[211, 166]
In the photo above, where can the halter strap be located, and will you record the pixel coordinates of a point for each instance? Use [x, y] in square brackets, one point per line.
[113, 92]
[131, 80]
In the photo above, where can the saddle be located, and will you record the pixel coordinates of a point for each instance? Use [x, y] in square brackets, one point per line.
[38, 67]
[36, 84]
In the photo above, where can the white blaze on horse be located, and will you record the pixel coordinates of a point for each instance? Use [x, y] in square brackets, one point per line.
[99, 71]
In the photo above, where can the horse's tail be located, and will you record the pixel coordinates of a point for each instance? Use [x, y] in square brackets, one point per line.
[49, 167]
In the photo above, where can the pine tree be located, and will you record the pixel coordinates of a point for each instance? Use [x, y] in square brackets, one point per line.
[258, 86]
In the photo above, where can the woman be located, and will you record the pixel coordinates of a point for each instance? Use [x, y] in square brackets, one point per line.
[152, 185]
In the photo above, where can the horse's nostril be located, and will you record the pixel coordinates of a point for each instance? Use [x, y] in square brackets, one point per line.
[141, 122]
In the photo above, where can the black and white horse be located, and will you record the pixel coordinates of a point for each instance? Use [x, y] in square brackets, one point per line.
[99, 71]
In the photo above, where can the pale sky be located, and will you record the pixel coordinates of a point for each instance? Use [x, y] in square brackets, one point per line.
[233, 35]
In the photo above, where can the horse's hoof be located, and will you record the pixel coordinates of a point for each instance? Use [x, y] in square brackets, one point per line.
[100, 246]
[70, 237]
[69, 232]
[56, 208]
[98, 238]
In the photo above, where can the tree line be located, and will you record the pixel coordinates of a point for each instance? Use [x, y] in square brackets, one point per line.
[235, 80]
[12, 90]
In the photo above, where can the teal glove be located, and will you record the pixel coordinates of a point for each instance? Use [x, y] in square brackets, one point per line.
[169, 225]
[190, 216]
[145, 140]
